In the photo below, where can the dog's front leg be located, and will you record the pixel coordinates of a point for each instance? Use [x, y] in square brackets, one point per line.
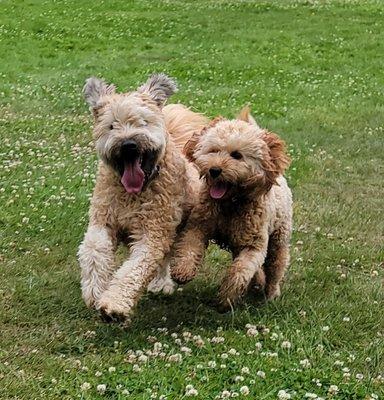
[162, 282]
[188, 254]
[130, 280]
[245, 266]
[97, 262]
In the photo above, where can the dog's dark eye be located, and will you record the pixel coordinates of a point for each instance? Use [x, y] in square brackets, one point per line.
[236, 155]
[110, 127]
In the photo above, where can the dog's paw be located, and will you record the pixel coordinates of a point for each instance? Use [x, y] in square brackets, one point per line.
[272, 292]
[182, 275]
[163, 285]
[111, 310]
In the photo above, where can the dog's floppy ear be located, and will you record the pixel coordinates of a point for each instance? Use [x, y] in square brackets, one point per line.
[277, 160]
[246, 116]
[190, 146]
[94, 89]
[159, 87]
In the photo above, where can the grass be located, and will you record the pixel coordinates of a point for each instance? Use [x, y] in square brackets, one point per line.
[313, 72]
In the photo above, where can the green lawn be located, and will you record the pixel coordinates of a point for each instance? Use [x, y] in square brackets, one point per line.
[313, 72]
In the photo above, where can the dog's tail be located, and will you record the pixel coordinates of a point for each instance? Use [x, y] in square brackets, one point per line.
[182, 123]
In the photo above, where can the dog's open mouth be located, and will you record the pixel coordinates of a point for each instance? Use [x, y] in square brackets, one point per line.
[218, 189]
[137, 168]
[133, 177]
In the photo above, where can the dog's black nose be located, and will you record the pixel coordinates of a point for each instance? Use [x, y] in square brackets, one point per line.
[129, 145]
[215, 172]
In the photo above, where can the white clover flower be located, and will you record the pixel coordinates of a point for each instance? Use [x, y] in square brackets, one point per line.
[245, 370]
[224, 356]
[217, 339]
[157, 346]
[185, 350]
[244, 390]
[85, 386]
[212, 364]
[239, 378]
[112, 369]
[143, 358]
[346, 319]
[305, 363]
[190, 391]
[98, 374]
[175, 357]
[286, 344]
[252, 332]
[325, 328]
[101, 388]
[261, 374]
[359, 377]
[333, 389]
[136, 368]
[225, 394]
[283, 395]
[232, 352]
[258, 345]
[339, 363]
[310, 395]
[274, 336]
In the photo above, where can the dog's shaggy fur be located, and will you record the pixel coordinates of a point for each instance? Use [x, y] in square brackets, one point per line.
[245, 205]
[145, 188]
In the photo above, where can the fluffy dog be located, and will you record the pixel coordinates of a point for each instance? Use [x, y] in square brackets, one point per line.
[245, 205]
[144, 189]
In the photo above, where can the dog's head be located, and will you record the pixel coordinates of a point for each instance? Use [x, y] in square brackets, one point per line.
[237, 155]
[129, 128]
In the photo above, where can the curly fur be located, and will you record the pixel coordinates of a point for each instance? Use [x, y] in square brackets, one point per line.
[251, 216]
[148, 221]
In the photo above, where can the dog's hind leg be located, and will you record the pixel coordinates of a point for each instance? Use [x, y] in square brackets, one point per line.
[162, 282]
[276, 262]
[97, 262]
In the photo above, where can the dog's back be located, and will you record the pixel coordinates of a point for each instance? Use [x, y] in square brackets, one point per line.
[182, 123]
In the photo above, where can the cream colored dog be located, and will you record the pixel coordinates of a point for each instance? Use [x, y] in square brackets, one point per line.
[245, 205]
[145, 189]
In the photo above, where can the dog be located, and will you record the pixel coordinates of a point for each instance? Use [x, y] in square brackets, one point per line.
[145, 189]
[245, 205]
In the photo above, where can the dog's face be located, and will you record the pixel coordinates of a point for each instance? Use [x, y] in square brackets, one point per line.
[129, 128]
[237, 155]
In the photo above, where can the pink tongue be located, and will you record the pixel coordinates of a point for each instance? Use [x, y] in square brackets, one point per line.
[218, 190]
[133, 178]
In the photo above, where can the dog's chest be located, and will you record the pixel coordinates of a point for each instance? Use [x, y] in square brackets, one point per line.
[238, 228]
